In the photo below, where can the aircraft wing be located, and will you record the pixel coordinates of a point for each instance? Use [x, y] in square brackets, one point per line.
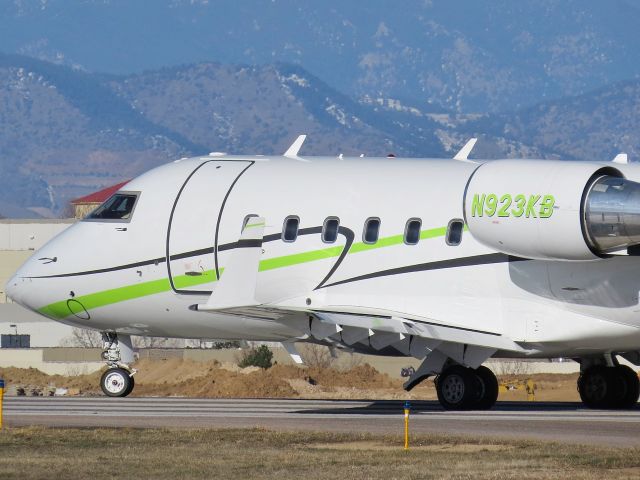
[386, 333]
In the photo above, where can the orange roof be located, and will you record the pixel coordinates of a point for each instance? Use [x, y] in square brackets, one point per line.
[100, 196]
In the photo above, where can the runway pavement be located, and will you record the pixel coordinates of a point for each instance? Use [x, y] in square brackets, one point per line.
[566, 422]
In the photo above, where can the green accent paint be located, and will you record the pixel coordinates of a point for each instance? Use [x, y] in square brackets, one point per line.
[477, 205]
[75, 307]
[297, 258]
[130, 292]
[251, 225]
[381, 243]
[546, 208]
[186, 281]
[512, 206]
[107, 297]
[433, 233]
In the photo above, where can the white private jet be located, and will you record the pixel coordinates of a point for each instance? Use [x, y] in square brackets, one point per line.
[450, 261]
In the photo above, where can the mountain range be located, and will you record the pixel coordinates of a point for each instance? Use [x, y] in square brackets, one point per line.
[459, 56]
[68, 132]
[88, 98]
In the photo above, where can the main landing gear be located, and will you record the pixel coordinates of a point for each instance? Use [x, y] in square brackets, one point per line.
[608, 386]
[459, 387]
[463, 388]
[117, 381]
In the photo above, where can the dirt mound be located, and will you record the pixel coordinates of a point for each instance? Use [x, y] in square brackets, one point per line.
[221, 383]
[212, 379]
[177, 377]
[188, 378]
[33, 381]
[173, 370]
[360, 377]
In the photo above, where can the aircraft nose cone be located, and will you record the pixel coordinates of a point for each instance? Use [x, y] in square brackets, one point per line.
[12, 289]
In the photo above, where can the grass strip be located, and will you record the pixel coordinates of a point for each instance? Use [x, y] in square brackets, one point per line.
[96, 453]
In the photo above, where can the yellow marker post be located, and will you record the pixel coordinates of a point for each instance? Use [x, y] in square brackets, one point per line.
[1, 398]
[407, 408]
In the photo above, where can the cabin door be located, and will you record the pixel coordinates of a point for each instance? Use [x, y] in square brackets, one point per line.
[194, 223]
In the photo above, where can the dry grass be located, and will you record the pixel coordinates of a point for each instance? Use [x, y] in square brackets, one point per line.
[164, 453]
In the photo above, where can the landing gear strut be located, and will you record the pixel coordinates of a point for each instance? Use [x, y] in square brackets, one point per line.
[614, 387]
[463, 388]
[117, 381]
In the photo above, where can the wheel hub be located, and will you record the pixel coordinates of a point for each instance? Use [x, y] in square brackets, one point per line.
[596, 387]
[453, 389]
[115, 382]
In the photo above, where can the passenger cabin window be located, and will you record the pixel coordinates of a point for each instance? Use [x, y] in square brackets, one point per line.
[454, 232]
[371, 230]
[412, 231]
[290, 229]
[330, 230]
[118, 207]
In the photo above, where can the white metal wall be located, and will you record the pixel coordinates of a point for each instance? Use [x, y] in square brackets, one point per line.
[29, 234]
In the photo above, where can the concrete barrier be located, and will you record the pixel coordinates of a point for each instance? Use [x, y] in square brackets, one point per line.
[34, 358]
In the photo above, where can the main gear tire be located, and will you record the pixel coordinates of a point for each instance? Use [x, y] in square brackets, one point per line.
[595, 388]
[487, 399]
[628, 396]
[457, 388]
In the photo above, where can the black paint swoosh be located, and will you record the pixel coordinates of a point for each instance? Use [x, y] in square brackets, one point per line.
[349, 235]
[487, 259]
[224, 202]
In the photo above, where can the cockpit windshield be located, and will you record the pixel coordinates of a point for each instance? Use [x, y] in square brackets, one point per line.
[118, 207]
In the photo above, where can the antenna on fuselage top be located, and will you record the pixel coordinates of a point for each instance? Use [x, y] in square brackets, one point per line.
[464, 152]
[292, 151]
[621, 158]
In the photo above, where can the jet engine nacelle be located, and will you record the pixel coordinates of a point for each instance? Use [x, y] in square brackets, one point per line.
[554, 210]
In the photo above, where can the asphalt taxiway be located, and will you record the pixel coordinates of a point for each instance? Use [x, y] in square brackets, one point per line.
[564, 422]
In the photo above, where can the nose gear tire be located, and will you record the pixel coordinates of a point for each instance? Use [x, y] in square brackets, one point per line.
[116, 382]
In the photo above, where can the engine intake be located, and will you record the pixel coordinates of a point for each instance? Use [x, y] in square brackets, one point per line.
[612, 214]
[552, 210]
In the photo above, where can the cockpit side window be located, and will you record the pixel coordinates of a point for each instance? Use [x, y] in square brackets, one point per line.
[118, 208]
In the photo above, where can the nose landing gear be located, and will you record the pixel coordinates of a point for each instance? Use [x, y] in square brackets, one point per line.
[118, 380]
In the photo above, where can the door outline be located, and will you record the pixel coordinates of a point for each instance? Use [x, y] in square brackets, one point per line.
[170, 257]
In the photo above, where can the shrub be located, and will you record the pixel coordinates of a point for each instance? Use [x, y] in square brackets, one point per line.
[256, 357]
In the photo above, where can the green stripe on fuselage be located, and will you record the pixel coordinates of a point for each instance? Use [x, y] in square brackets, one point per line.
[297, 258]
[107, 297]
[130, 292]
[143, 289]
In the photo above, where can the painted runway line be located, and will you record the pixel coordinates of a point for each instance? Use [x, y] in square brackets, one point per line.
[552, 421]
